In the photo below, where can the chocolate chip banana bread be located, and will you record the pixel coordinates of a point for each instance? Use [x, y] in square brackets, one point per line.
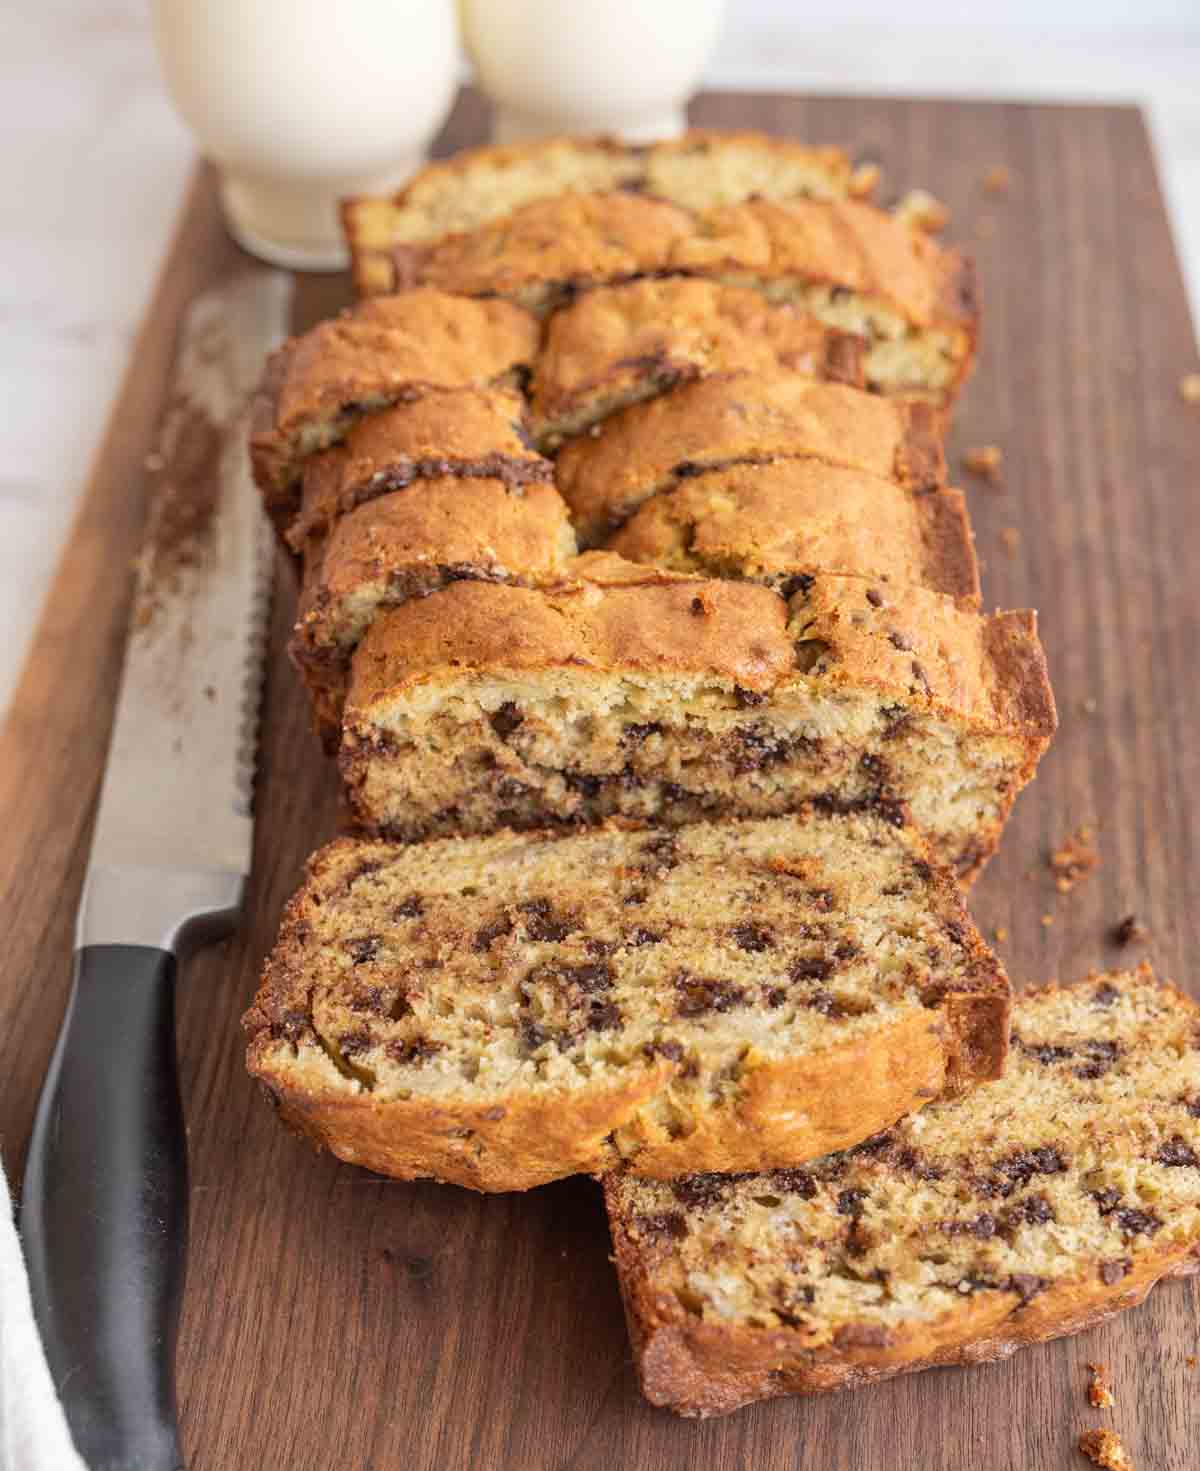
[1034, 1207]
[622, 344]
[769, 523]
[500, 1012]
[638, 692]
[741, 419]
[378, 353]
[480, 185]
[405, 545]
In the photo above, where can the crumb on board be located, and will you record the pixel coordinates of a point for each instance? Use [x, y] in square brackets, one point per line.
[984, 460]
[998, 179]
[1047, 921]
[865, 179]
[1130, 932]
[1001, 933]
[1099, 1390]
[920, 209]
[1073, 860]
[1104, 1449]
[1089, 706]
[1190, 1361]
[1010, 539]
[1189, 388]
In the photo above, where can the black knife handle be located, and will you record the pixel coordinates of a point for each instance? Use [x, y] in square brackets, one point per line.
[104, 1209]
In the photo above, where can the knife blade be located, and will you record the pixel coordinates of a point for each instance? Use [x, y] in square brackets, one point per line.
[103, 1214]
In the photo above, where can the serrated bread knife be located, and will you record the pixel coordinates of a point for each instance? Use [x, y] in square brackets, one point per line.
[104, 1206]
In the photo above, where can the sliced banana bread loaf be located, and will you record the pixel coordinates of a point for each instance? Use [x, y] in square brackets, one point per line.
[470, 432]
[621, 344]
[1034, 1207]
[503, 1011]
[699, 170]
[640, 692]
[405, 545]
[378, 353]
[770, 522]
[742, 419]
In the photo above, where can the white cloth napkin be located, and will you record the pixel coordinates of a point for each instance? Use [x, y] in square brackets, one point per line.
[33, 1428]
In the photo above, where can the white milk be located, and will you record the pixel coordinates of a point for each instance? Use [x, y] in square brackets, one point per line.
[300, 102]
[608, 66]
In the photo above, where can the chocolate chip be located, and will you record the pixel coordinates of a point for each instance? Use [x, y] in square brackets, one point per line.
[801, 582]
[698, 608]
[533, 1035]
[583, 782]
[1105, 995]
[505, 720]
[900, 641]
[635, 896]
[1176, 1154]
[1111, 1272]
[752, 938]
[775, 997]
[874, 597]
[703, 1190]
[1192, 1105]
[1128, 932]
[493, 930]
[1106, 1200]
[642, 936]
[1025, 1285]
[663, 1225]
[1138, 1223]
[687, 470]
[810, 968]
[637, 732]
[603, 1016]
[1035, 1211]
[1019, 1168]
[1043, 1052]
[699, 995]
[793, 1182]
[410, 908]
[758, 746]
[850, 1203]
[541, 923]
[668, 1048]
[364, 950]
[412, 1049]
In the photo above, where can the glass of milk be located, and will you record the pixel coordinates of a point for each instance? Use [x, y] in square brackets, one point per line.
[300, 102]
[625, 67]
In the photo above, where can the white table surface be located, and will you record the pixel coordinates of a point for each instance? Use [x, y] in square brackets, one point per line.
[95, 165]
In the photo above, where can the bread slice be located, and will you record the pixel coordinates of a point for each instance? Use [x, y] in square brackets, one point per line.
[405, 545]
[475, 187]
[503, 1011]
[742, 419]
[770, 522]
[1034, 1207]
[622, 344]
[446, 432]
[378, 353]
[855, 267]
[647, 694]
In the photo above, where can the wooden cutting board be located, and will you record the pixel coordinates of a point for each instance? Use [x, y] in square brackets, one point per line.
[335, 1318]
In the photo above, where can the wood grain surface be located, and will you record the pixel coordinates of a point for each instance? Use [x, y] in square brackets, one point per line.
[334, 1318]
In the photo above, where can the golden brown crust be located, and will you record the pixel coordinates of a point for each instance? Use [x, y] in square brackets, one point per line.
[785, 1106]
[699, 1368]
[742, 419]
[482, 184]
[377, 353]
[620, 344]
[476, 432]
[654, 622]
[771, 522]
[410, 543]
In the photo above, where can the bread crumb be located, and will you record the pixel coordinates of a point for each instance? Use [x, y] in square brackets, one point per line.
[864, 180]
[1189, 388]
[921, 210]
[1001, 933]
[998, 179]
[1047, 921]
[1011, 538]
[1073, 860]
[1130, 932]
[1104, 1449]
[1190, 1361]
[984, 460]
[1089, 706]
[1099, 1390]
